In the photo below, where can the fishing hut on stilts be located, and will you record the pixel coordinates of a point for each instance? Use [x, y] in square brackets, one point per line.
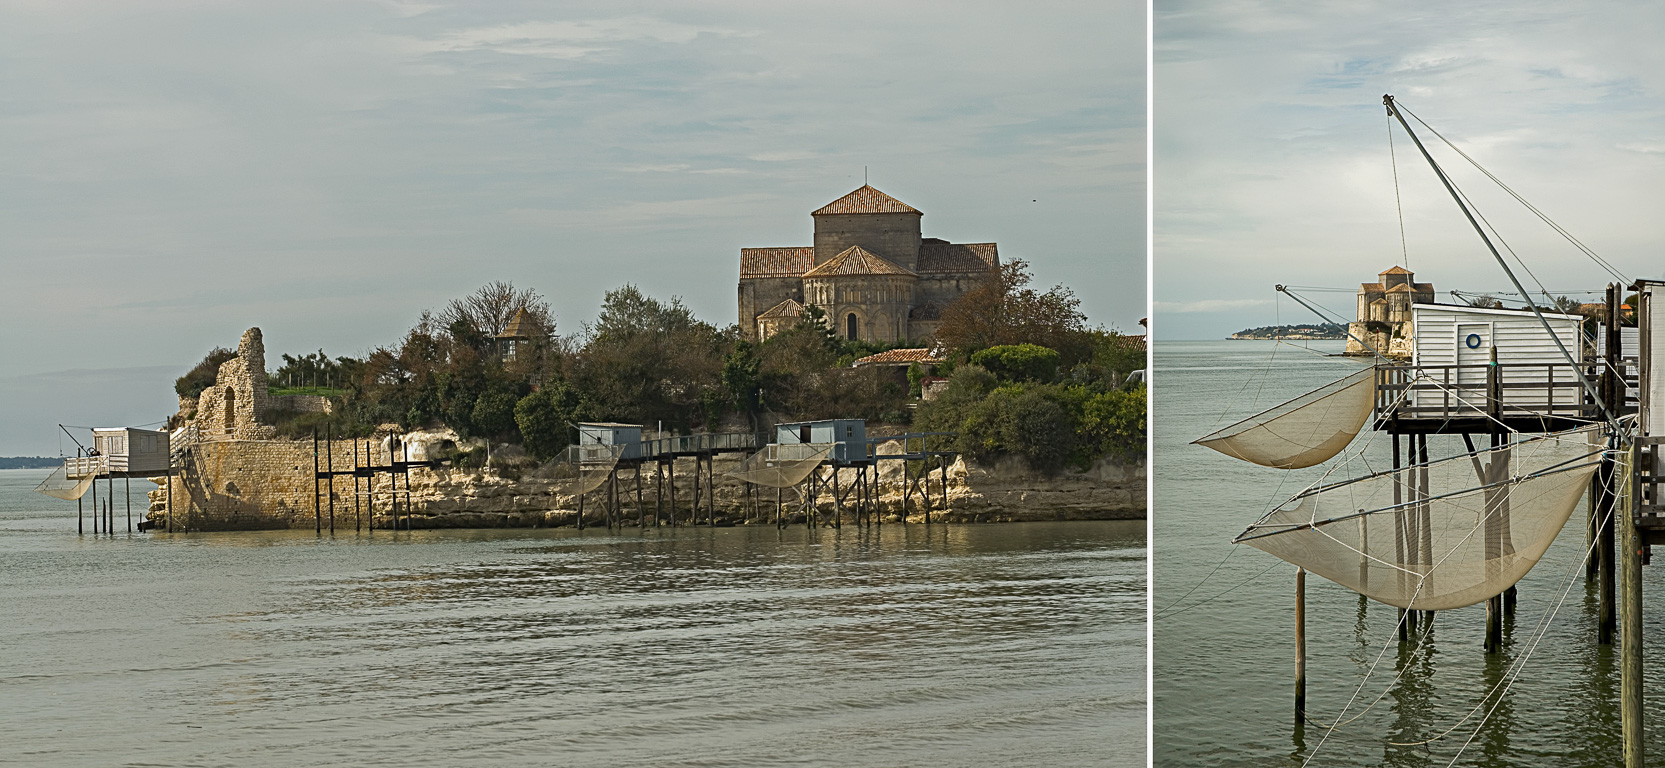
[1549, 410]
[835, 457]
[116, 453]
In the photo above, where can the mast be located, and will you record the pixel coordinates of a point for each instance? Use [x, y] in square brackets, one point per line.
[1589, 389]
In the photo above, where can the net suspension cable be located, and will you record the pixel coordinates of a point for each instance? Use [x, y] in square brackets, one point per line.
[1589, 388]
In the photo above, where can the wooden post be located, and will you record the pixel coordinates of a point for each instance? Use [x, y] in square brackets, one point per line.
[641, 512]
[580, 487]
[357, 510]
[127, 484]
[1300, 645]
[670, 473]
[317, 516]
[329, 450]
[98, 509]
[838, 502]
[1630, 621]
[658, 490]
[393, 487]
[169, 501]
[369, 491]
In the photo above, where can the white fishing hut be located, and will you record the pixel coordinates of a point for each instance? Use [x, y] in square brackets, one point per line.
[125, 450]
[848, 436]
[1456, 346]
[628, 436]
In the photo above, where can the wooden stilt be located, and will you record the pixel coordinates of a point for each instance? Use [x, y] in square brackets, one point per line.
[1630, 622]
[317, 515]
[97, 508]
[329, 451]
[1300, 645]
[169, 502]
[670, 479]
[641, 512]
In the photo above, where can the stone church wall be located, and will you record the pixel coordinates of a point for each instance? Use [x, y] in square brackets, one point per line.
[759, 294]
[893, 237]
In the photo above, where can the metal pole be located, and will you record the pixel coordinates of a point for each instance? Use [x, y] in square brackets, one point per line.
[1601, 405]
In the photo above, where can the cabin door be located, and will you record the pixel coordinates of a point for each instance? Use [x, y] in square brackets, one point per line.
[1474, 352]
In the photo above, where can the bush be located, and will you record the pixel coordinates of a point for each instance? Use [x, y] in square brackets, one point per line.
[1019, 362]
[545, 418]
[494, 414]
[202, 376]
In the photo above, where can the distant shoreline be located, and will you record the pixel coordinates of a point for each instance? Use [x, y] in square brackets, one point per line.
[1304, 332]
[28, 462]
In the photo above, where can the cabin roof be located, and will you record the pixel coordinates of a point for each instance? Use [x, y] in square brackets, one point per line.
[776, 262]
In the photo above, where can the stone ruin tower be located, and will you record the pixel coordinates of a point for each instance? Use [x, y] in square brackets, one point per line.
[230, 409]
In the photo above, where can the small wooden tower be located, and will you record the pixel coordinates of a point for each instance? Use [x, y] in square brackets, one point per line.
[515, 336]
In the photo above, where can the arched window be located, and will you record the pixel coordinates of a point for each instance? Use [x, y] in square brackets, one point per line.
[850, 325]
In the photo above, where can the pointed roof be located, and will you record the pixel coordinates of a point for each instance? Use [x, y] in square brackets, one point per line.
[856, 260]
[865, 200]
[788, 308]
[1396, 270]
[519, 326]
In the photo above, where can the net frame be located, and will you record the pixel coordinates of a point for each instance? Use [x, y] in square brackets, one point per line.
[1436, 551]
[59, 485]
[1303, 451]
[782, 465]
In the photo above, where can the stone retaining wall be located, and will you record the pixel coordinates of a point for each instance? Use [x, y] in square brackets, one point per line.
[259, 484]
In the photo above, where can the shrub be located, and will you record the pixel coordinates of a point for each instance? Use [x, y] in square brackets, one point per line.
[1019, 362]
[202, 376]
[545, 418]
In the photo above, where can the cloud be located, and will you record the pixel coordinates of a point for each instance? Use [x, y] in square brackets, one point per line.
[569, 39]
[1209, 305]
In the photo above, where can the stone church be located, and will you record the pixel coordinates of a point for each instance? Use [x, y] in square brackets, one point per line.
[1384, 313]
[869, 270]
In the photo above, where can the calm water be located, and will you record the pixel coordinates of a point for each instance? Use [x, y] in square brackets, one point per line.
[1224, 664]
[1005, 645]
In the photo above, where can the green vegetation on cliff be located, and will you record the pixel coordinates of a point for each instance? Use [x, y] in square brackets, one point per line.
[1028, 376]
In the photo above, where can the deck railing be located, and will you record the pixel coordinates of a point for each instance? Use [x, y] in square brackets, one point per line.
[1500, 390]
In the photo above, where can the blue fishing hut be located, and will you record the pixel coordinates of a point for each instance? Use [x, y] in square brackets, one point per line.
[605, 433]
[848, 436]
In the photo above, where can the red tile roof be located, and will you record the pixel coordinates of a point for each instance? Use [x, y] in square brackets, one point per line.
[866, 200]
[856, 260]
[938, 256]
[788, 308]
[898, 357]
[776, 262]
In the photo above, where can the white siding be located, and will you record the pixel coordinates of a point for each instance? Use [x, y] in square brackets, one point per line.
[1518, 338]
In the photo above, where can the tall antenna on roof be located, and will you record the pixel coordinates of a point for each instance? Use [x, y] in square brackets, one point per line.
[864, 175]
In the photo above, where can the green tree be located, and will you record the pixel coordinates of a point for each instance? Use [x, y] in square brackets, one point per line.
[494, 414]
[545, 419]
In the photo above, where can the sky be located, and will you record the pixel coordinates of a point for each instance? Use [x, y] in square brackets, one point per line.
[172, 173]
[1273, 163]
